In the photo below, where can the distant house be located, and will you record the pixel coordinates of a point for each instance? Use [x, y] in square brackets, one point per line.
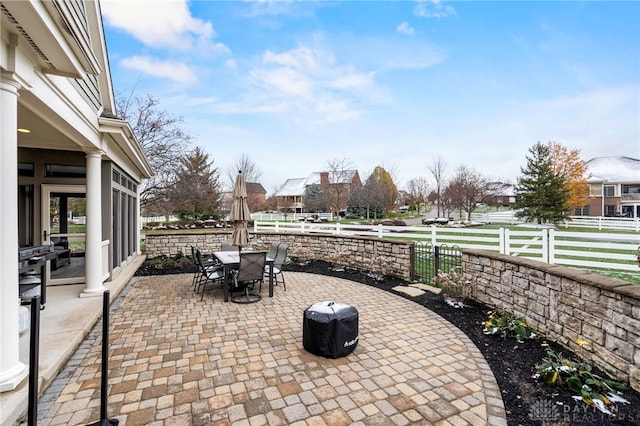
[500, 194]
[256, 198]
[614, 187]
[290, 196]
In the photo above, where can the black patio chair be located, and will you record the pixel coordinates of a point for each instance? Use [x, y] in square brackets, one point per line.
[210, 275]
[278, 260]
[250, 271]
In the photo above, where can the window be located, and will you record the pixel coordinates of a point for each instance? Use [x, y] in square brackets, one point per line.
[25, 169]
[609, 210]
[60, 170]
[609, 190]
[582, 211]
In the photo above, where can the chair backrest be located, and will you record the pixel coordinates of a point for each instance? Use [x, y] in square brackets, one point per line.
[281, 255]
[199, 262]
[274, 250]
[251, 266]
[227, 246]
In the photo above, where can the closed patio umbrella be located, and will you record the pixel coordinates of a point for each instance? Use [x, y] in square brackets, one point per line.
[240, 214]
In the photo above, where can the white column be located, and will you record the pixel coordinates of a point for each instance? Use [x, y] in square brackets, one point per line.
[93, 233]
[12, 371]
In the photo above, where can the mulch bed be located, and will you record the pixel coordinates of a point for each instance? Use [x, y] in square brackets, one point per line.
[527, 401]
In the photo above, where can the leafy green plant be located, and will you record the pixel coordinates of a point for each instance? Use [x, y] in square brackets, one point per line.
[580, 379]
[508, 325]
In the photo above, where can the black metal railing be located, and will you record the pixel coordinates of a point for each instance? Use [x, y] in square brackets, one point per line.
[431, 258]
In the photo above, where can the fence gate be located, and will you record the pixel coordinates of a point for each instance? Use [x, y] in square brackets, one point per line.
[429, 258]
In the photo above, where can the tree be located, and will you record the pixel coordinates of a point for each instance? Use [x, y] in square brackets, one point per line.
[161, 139]
[438, 169]
[567, 163]
[338, 184]
[418, 189]
[387, 189]
[314, 200]
[369, 200]
[541, 193]
[466, 190]
[248, 167]
[195, 192]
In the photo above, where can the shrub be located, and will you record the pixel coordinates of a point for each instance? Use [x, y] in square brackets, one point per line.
[579, 378]
[507, 325]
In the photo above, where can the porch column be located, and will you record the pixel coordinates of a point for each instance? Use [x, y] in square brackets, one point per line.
[93, 233]
[12, 371]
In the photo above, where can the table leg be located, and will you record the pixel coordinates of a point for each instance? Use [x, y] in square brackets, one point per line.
[271, 281]
[227, 283]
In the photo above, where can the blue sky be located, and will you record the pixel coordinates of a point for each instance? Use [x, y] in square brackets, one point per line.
[295, 84]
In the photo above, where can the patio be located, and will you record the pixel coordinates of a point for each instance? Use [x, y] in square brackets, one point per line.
[177, 360]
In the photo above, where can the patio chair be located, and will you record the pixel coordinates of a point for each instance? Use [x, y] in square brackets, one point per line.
[250, 271]
[227, 246]
[209, 264]
[209, 277]
[273, 250]
[278, 260]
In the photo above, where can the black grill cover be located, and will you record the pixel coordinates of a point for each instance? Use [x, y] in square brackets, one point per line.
[330, 329]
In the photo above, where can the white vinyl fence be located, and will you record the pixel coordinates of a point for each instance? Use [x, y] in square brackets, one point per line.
[596, 222]
[580, 249]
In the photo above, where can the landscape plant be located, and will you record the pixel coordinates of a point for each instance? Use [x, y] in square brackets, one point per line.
[455, 286]
[579, 377]
[506, 324]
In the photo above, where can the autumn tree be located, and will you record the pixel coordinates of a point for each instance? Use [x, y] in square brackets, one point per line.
[466, 190]
[438, 169]
[195, 192]
[388, 191]
[163, 142]
[418, 189]
[567, 163]
[541, 193]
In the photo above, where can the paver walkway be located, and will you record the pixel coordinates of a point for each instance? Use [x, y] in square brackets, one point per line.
[176, 360]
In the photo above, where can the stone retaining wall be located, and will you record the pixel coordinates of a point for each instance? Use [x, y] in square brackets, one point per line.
[380, 256]
[565, 304]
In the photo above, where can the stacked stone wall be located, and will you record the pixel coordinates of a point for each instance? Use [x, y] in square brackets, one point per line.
[378, 256]
[565, 305]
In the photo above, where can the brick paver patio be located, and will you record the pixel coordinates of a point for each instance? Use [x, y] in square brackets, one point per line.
[176, 360]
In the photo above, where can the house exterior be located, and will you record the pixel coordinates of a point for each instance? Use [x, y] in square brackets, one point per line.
[256, 198]
[71, 171]
[338, 184]
[614, 187]
[500, 194]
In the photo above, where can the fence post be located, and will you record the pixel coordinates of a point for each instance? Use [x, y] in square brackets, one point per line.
[338, 228]
[552, 243]
[380, 230]
[436, 260]
[545, 245]
[505, 244]
[433, 235]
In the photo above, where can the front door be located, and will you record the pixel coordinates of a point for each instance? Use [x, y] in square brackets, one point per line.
[63, 226]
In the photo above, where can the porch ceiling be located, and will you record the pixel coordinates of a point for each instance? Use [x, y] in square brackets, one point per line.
[43, 134]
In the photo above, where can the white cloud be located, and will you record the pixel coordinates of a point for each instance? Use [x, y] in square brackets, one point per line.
[404, 28]
[307, 81]
[433, 9]
[175, 71]
[162, 24]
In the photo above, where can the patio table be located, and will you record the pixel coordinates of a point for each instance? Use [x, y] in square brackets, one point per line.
[231, 260]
